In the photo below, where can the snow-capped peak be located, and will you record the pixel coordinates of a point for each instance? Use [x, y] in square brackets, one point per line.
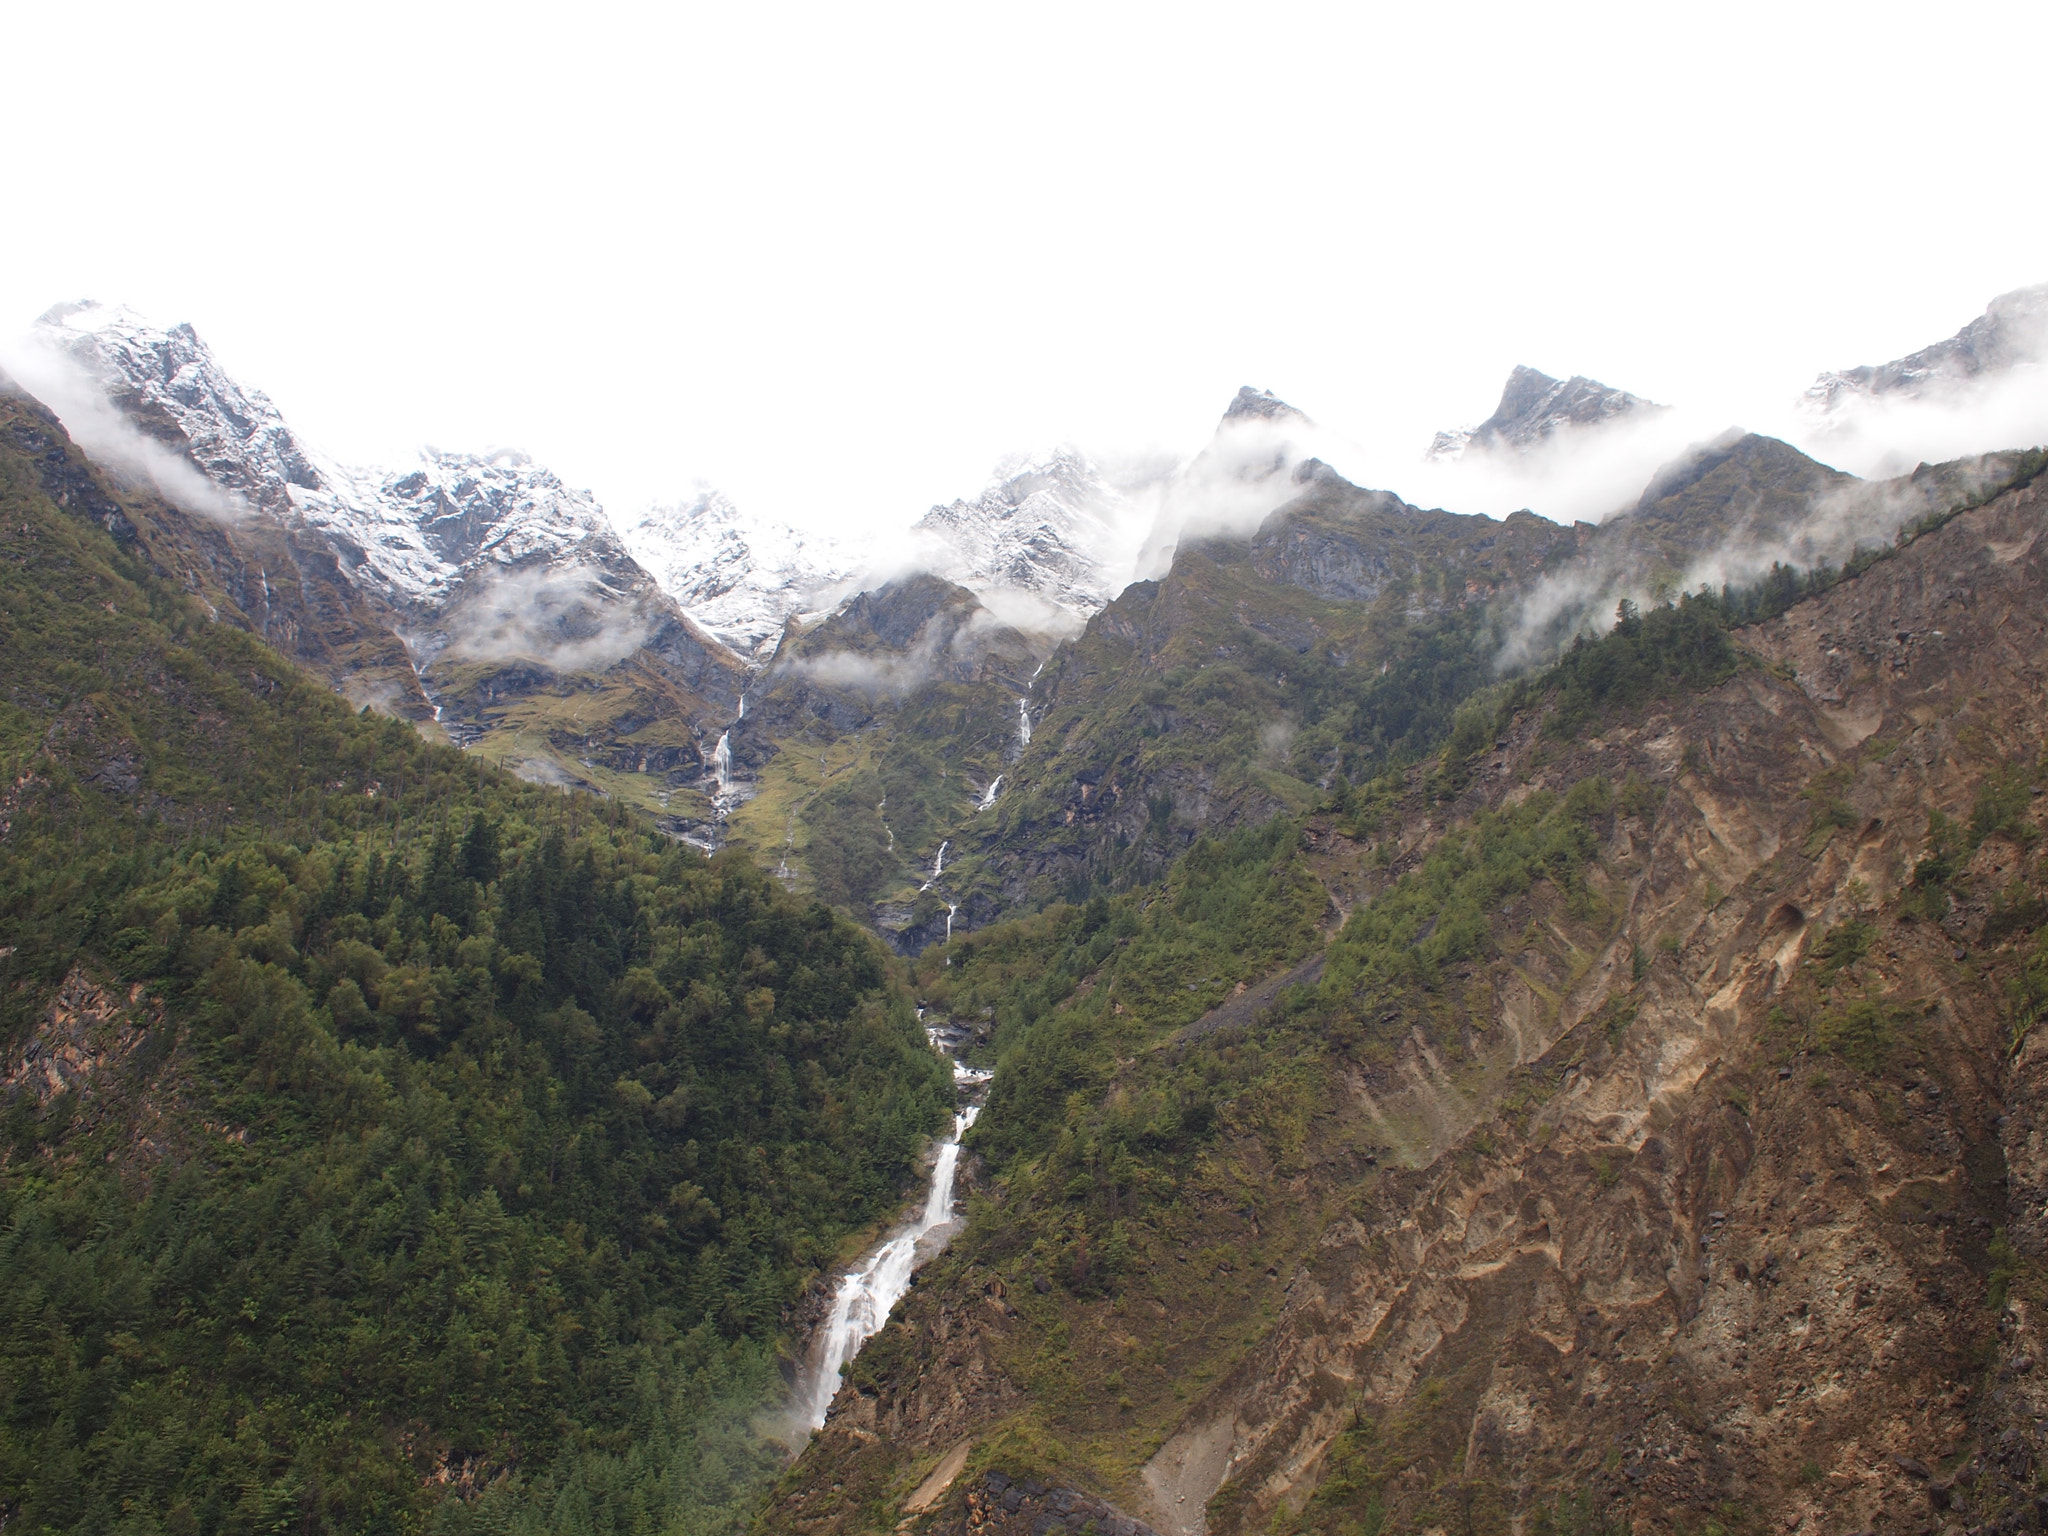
[1533, 407]
[410, 536]
[742, 578]
[1048, 524]
[2011, 334]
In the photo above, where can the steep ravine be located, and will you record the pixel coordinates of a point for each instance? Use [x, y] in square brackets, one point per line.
[1696, 1223]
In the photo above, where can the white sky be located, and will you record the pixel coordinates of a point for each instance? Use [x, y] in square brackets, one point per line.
[839, 259]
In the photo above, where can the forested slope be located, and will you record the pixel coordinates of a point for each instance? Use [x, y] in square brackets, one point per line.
[389, 1145]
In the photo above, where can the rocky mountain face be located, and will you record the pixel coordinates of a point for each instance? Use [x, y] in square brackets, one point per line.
[2012, 333]
[1689, 1173]
[742, 578]
[1243, 472]
[1048, 527]
[873, 739]
[1338, 638]
[1485, 1038]
[475, 592]
[1241, 683]
[1533, 408]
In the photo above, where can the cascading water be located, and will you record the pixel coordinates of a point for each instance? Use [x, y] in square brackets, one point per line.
[938, 866]
[865, 1297]
[988, 796]
[721, 766]
[951, 908]
[1023, 723]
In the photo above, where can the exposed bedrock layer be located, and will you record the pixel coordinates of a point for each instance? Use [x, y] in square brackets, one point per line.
[1722, 1206]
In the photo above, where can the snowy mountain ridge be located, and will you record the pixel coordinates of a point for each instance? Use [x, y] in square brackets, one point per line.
[429, 536]
[1047, 525]
[1533, 407]
[2011, 334]
[411, 536]
[740, 577]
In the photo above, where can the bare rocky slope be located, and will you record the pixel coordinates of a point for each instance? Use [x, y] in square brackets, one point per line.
[1702, 1189]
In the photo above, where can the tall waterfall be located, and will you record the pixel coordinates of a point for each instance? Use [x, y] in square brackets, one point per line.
[1023, 723]
[864, 1298]
[938, 865]
[988, 796]
[721, 763]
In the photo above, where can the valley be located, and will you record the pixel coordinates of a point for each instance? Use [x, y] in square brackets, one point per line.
[1216, 1003]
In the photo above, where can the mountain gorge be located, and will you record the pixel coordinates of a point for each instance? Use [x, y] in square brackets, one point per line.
[1490, 1024]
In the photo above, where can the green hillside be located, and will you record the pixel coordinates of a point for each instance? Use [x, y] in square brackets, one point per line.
[389, 1145]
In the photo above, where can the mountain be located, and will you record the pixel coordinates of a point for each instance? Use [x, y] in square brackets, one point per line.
[1047, 528]
[2011, 334]
[1487, 1025]
[1625, 1118]
[1241, 474]
[409, 536]
[1533, 408]
[462, 1128]
[872, 740]
[742, 578]
[521, 622]
[1335, 637]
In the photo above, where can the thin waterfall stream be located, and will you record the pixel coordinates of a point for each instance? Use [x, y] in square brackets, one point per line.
[865, 1295]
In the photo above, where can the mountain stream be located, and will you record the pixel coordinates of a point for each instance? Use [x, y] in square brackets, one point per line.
[866, 1294]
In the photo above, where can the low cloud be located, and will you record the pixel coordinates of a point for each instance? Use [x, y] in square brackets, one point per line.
[1836, 525]
[566, 619]
[942, 645]
[113, 441]
[1576, 474]
[1887, 435]
[891, 673]
[1027, 612]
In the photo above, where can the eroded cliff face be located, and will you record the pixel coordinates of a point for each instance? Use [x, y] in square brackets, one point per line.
[1715, 1195]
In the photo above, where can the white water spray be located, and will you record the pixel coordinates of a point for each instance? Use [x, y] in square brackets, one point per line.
[721, 764]
[988, 796]
[1023, 723]
[938, 865]
[864, 1298]
[951, 908]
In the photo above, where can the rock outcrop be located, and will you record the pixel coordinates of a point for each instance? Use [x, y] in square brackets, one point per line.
[1720, 1200]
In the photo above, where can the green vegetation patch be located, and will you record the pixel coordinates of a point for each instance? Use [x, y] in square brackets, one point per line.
[482, 1141]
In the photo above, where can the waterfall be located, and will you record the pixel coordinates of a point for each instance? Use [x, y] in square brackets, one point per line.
[1023, 723]
[951, 908]
[864, 1298]
[721, 763]
[938, 866]
[988, 796]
